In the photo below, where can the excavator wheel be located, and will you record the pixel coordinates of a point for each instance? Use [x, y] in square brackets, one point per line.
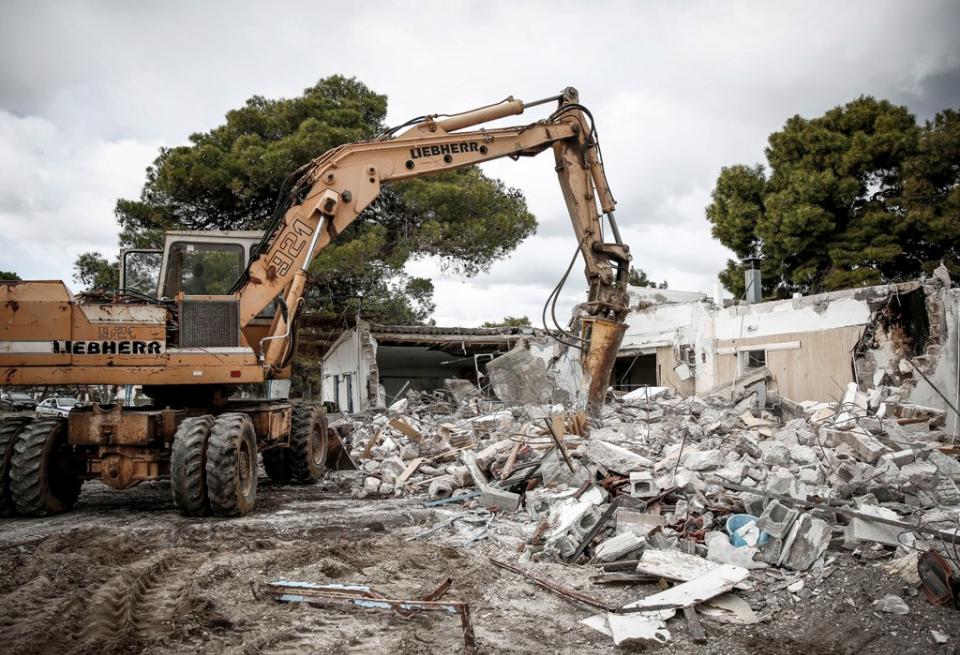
[276, 462]
[232, 465]
[45, 476]
[307, 455]
[10, 429]
[188, 465]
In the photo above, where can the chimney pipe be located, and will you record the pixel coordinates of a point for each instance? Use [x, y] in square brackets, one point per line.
[752, 283]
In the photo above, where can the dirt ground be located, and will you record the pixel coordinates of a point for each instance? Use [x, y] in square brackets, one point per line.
[125, 573]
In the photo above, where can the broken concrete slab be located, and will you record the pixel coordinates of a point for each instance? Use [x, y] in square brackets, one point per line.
[866, 447]
[618, 547]
[555, 471]
[704, 460]
[491, 497]
[371, 485]
[806, 543]
[729, 608]
[614, 458]
[946, 465]
[717, 581]
[861, 530]
[521, 377]
[505, 501]
[645, 394]
[673, 564]
[644, 627]
[639, 629]
[639, 523]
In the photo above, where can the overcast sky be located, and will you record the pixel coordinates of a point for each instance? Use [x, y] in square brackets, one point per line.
[90, 90]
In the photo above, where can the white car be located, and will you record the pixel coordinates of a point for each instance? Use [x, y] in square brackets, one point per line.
[59, 407]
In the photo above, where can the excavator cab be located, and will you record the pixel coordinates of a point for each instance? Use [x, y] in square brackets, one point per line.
[192, 263]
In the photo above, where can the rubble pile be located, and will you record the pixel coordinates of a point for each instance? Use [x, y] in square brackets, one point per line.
[740, 490]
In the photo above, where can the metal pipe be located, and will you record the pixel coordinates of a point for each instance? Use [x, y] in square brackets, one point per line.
[614, 228]
[286, 334]
[543, 101]
[313, 243]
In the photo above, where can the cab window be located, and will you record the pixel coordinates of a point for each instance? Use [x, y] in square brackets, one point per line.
[199, 269]
[141, 271]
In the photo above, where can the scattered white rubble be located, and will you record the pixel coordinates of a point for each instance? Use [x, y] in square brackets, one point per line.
[656, 477]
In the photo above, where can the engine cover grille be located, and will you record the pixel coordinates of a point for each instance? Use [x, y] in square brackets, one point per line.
[209, 323]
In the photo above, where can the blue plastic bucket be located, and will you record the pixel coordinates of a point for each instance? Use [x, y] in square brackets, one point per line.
[737, 521]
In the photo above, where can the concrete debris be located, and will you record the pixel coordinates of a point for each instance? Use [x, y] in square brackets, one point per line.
[650, 486]
[806, 543]
[777, 519]
[521, 377]
[861, 530]
[892, 605]
[729, 608]
[639, 523]
[618, 547]
[712, 583]
[614, 458]
[642, 485]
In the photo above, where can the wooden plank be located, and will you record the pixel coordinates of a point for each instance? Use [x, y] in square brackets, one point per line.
[511, 460]
[556, 431]
[371, 442]
[407, 472]
[399, 424]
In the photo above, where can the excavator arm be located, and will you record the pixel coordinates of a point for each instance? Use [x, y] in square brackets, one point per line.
[338, 186]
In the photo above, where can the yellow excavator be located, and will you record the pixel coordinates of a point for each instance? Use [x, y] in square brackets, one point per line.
[196, 335]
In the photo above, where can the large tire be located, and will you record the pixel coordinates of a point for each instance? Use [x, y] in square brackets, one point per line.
[45, 476]
[232, 466]
[10, 429]
[307, 456]
[188, 466]
[276, 462]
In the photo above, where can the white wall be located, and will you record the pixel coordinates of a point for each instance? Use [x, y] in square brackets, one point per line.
[700, 323]
[345, 360]
[786, 316]
[946, 375]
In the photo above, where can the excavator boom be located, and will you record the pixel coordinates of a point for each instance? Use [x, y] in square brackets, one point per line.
[336, 187]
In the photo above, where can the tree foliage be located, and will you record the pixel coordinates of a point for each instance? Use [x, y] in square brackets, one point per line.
[638, 278]
[861, 195]
[230, 178]
[94, 273]
[8, 276]
[508, 321]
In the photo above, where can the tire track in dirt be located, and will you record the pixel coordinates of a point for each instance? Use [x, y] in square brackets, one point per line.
[29, 609]
[140, 602]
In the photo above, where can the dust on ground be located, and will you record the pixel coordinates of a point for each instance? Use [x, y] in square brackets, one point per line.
[125, 572]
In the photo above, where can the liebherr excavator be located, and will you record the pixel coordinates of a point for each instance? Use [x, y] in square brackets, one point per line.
[192, 340]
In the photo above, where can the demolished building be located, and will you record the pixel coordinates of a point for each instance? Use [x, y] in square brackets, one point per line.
[814, 346]
[368, 365]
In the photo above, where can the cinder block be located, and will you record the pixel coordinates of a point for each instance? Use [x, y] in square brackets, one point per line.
[642, 485]
[777, 519]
